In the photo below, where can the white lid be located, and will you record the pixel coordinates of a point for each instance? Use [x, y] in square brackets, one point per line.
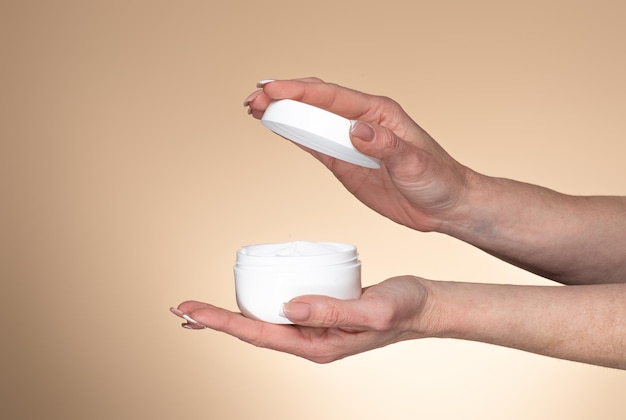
[316, 129]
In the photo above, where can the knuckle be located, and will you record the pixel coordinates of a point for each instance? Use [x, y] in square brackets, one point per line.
[393, 143]
[383, 320]
[331, 316]
[387, 101]
[389, 106]
[258, 339]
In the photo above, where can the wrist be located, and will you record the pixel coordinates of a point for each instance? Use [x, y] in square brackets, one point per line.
[456, 309]
[434, 317]
[469, 212]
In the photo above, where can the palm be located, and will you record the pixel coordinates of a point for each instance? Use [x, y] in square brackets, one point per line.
[384, 314]
[411, 201]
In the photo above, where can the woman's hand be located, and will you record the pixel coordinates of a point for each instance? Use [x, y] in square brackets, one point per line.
[418, 185]
[581, 323]
[328, 329]
[573, 240]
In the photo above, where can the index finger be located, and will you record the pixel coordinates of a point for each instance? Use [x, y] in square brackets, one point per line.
[284, 338]
[340, 100]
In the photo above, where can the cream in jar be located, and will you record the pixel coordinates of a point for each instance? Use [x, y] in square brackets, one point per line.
[268, 275]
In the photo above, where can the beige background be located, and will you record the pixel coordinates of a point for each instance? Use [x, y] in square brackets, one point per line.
[131, 174]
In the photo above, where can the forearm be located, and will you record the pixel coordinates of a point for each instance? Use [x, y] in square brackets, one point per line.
[580, 323]
[573, 240]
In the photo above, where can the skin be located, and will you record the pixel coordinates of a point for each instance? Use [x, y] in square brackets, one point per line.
[576, 241]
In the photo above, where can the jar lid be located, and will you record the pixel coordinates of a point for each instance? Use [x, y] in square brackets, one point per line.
[316, 129]
[296, 253]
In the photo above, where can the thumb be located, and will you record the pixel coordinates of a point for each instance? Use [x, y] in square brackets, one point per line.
[379, 142]
[327, 312]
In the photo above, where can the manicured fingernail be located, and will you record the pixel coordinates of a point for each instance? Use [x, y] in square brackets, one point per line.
[190, 319]
[183, 315]
[177, 312]
[296, 311]
[192, 326]
[362, 130]
[262, 83]
[251, 97]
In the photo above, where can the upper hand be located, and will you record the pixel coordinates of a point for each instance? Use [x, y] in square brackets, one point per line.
[418, 185]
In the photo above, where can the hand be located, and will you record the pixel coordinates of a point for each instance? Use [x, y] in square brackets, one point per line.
[328, 329]
[418, 185]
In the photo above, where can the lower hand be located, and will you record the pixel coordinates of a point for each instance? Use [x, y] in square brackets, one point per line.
[328, 329]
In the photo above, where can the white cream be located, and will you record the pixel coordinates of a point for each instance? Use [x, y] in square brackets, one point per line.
[294, 249]
[301, 253]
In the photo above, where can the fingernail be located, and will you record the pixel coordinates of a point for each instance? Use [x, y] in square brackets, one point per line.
[296, 311]
[190, 319]
[192, 326]
[251, 97]
[183, 315]
[362, 130]
[262, 83]
[177, 312]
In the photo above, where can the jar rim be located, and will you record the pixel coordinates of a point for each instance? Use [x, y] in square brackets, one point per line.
[296, 253]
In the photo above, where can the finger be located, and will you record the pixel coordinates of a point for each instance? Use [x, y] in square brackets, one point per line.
[258, 100]
[251, 97]
[261, 334]
[190, 323]
[343, 101]
[320, 345]
[189, 306]
[326, 312]
[382, 143]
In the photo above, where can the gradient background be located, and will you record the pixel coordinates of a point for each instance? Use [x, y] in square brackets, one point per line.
[131, 174]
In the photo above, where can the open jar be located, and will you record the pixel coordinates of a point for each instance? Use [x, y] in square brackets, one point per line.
[268, 275]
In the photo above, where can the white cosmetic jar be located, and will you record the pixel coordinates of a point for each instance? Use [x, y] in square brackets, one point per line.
[268, 275]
